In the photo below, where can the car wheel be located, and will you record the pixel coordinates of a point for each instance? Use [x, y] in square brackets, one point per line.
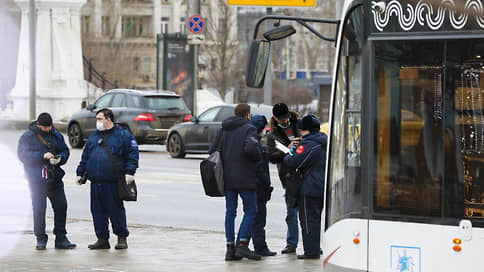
[75, 136]
[175, 146]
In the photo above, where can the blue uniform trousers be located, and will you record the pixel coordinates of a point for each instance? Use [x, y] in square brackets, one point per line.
[258, 231]
[310, 218]
[105, 204]
[39, 193]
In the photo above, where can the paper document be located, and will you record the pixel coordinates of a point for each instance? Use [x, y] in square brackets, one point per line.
[281, 147]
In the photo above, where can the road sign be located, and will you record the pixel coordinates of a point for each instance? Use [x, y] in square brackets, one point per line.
[196, 24]
[269, 3]
[195, 38]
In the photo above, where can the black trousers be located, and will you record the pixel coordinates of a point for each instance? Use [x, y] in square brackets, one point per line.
[310, 209]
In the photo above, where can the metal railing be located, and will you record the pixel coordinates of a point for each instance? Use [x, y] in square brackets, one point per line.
[96, 78]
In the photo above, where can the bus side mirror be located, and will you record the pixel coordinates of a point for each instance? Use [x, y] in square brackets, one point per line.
[259, 53]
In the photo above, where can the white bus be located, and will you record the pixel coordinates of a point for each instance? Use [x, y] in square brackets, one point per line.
[404, 190]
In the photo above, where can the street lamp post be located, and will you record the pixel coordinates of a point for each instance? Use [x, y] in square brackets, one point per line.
[32, 70]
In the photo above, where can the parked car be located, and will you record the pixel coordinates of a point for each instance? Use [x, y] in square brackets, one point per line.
[196, 136]
[146, 114]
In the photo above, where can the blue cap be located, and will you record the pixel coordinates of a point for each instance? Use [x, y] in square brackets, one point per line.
[309, 122]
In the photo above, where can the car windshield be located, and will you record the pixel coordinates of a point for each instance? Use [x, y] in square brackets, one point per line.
[165, 103]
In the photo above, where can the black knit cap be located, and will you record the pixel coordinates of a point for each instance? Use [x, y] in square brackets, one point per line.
[281, 111]
[309, 122]
[44, 119]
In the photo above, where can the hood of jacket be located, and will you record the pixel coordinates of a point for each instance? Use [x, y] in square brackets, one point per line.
[316, 137]
[294, 116]
[233, 122]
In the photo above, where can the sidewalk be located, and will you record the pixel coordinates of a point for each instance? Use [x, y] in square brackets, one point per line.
[151, 248]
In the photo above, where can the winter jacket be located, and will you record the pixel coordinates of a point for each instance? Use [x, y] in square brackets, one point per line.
[277, 134]
[95, 161]
[31, 152]
[239, 153]
[264, 188]
[310, 158]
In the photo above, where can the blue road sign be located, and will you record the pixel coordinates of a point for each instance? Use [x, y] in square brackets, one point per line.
[196, 24]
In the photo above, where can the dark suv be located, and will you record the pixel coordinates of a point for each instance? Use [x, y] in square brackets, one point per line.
[146, 114]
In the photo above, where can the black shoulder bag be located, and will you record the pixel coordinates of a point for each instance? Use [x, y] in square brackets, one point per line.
[126, 192]
[212, 172]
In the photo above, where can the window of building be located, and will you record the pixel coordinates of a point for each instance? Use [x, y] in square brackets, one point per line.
[136, 26]
[105, 26]
[164, 24]
[135, 63]
[85, 24]
[183, 25]
[146, 64]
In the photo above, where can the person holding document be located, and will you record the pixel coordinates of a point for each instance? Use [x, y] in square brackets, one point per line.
[284, 135]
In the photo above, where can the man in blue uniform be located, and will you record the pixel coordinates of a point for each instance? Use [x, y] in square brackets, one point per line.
[42, 151]
[97, 167]
[309, 159]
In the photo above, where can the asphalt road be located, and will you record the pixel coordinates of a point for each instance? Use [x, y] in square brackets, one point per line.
[170, 193]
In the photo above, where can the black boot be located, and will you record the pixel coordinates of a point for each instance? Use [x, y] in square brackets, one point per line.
[122, 243]
[230, 253]
[243, 250]
[101, 243]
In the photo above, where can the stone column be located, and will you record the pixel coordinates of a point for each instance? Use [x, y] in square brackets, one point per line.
[59, 72]
[96, 20]
[156, 21]
[175, 17]
[117, 20]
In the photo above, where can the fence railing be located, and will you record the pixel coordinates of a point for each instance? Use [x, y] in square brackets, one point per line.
[96, 78]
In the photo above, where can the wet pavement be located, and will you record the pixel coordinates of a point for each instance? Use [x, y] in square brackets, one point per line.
[151, 248]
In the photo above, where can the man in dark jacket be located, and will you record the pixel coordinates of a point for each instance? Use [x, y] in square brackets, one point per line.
[283, 130]
[238, 140]
[309, 159]
[42, 151]
[264, 190]
[95, 162]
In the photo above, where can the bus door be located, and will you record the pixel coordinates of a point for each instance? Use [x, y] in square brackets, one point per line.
[346, 223]
[428, 99]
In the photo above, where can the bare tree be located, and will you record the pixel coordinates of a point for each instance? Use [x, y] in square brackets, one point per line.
[221, 46]
[112, 54]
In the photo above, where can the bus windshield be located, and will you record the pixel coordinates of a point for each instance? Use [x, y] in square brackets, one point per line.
[429, 120]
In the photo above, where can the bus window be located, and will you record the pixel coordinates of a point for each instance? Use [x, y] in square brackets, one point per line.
[464, 176]
[430, 128]
[409, 127]
[344, 183]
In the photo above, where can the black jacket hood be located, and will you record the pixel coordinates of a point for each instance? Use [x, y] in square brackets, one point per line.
[233, 122]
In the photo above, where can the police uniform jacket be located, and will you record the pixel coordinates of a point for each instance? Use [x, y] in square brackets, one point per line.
[31, 152]
[95, 161]
[310, 157]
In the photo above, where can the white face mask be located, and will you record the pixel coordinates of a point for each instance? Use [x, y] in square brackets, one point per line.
[99, 125]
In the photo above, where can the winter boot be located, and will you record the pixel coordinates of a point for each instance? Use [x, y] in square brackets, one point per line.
[101, 243]
[63, 243]
[122, 243]
[230, 254]
[243, 250]
[41, 243]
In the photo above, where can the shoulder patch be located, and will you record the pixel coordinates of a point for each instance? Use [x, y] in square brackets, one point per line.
[134, 143]
[300, 149]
